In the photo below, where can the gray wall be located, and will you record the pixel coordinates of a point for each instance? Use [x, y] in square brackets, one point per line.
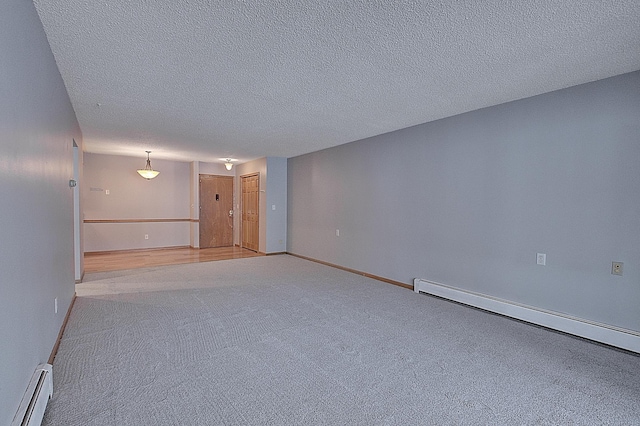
[132, 197]
[215, 169]
[37, 127]
[276, 222]
[469, 200]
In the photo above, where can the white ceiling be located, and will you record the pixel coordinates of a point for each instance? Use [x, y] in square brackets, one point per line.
[204, 79]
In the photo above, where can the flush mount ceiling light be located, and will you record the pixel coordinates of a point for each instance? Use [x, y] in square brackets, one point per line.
[148, 173]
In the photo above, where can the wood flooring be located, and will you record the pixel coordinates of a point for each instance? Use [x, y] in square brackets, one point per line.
[133, 259]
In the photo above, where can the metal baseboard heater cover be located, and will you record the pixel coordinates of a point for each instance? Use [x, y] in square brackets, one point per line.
[607, 334]
[35, 399]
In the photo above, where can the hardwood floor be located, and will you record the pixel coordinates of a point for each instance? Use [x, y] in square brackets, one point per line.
[132, 259]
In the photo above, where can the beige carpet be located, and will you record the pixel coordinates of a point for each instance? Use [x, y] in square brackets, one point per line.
[283, 341]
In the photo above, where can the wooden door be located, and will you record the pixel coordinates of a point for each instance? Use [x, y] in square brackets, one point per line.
[250, 211]
[216, 211]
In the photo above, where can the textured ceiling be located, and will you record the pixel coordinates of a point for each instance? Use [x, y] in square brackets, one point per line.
[203, 80]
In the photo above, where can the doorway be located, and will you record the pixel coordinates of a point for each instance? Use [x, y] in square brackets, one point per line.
[78, 259]
[216, 211]
[250, 185]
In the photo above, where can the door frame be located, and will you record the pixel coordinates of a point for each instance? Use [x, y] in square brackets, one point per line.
[78, 255]
[240, 221]
[200, 202]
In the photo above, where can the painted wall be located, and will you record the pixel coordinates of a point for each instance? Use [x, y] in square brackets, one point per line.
[215, 169]
[37, 128]
[132, 197]
[276, 205]
[469, 200]
[194, 202]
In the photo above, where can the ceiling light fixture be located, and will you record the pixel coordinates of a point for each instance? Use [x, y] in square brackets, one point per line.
[148, 173]
[228, 165]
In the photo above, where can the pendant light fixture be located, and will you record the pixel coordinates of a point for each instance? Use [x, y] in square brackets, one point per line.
[148, 173]
[228, 165]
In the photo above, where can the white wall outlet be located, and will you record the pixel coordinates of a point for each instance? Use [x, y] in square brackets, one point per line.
[616, 268]
[55, 305]
[106, 191]
[541, 259]
[273, 206]
[146, 236]
[337, 232]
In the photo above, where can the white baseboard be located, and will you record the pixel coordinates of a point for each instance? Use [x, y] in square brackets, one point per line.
[35, 399]
[610, 335]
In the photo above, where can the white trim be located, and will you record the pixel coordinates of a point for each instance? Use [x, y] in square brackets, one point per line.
[610, 335]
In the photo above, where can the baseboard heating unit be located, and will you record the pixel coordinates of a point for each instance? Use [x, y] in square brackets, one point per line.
[34, 401]
[607, 334]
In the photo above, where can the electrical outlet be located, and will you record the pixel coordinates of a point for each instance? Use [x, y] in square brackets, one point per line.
[337, 232]
[146, 236]
[107, 192]
[541, 259]
[616, 268]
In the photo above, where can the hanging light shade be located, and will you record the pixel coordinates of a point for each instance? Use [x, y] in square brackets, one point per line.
[148, 173]
[228, 165]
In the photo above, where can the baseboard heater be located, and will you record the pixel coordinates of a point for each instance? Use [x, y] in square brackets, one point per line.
[607, 334]
[35, 399]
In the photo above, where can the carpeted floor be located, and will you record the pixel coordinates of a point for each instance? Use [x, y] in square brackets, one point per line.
[282, 341]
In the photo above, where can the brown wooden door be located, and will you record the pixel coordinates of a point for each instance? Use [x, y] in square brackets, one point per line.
[250, 211]
[216, 211]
